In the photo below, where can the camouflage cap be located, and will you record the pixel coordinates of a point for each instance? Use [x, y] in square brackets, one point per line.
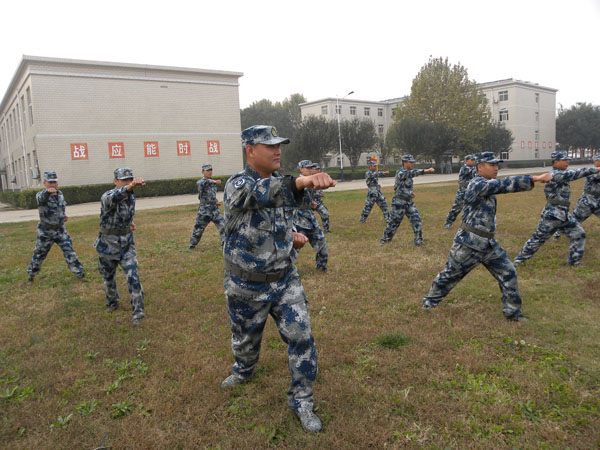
[560, 156]
[470, 157]
[487, 157]
[371, 161]
[316, 166]
[596, 157]
[304, 164]
[262, 134]
[123, 173]
[206, 167]
[408, 158]
[50, 176]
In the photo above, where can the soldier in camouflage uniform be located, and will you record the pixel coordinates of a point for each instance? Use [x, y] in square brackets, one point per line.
[260, 276]
[306, 223]
[51, 229]
[475, 243]
[208, 210]
[403, 203]
[115, 245]
[374, 194]
[466, 174]
[321, 209]
[589, 201]
[556, 216]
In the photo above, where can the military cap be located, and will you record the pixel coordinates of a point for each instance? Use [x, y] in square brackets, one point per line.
[262, 134]
[560, 156]
[206, 167]
[50, 176]
[316, 166]
[371, 162]
[408, 158]
[487, 157]
[469, 157]
[123, 173]
[596, 157]
[304, 164]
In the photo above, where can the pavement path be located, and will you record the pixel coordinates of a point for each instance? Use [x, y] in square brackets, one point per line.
[9, 214]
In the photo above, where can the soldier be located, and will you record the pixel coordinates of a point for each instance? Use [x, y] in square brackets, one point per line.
[374, 194]
[403, 203]
[556, 216]
[115, 243]
[466, 174]
[208, 210]
[475, 243]
[589, 201]
[260, 276]
[321, 209]
[51, 229]
[306, 223]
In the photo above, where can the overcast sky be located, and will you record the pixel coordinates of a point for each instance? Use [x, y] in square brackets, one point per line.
[320, 48]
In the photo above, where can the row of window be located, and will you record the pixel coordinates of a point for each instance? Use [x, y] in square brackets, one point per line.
[503, 115]
[503, 96]
[15, 124]
[338, 110]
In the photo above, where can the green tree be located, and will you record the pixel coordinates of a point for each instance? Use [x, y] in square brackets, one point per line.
[358, 136]
[291, 104]
[313, 137]
[285, 116]
[579, 126]
[497, 139]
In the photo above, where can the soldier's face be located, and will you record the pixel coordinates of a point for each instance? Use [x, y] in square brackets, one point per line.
[207, 173]
[305, 171]
[597, 163]
[121, 183]
[408, 165]
[488, 170]
[265, 159]
[470, 162]
[50, 184]
[561, 164]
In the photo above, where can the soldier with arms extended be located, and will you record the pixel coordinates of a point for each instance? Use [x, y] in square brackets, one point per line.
[260, 276]
[556, 215]
[403, 203]
[208, 210]
[374, 194]
[321, 209]
[466, 174]
[475, 243]
[51, 229]
[115, 245]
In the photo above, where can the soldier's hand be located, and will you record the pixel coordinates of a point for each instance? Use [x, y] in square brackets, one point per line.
[387, 172]
[132, 227]
[544, 178]
[52, 190]
[219, 203]
[217, 181]
[299, 240]
[314, 205]
[317, 181]
[412, 195]
[430, 170]
[66, 217]
[136, 183]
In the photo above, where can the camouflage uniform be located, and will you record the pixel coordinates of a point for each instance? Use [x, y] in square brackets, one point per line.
[403, 203]
[475, 244]
[115, 246]
[261, 278]
[50, 230]
[322, 210]
[466, 174]
[208, 211]
[374, 195]
[556, 216]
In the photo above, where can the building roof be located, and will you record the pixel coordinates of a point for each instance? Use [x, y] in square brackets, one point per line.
[511, 81]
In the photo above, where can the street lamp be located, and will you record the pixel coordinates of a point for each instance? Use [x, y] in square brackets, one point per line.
[338, 111]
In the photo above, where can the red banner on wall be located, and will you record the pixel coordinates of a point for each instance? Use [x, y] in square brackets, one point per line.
[184, 148]
[116, 150]
[213, 147]
[79, 151]
[151, 149]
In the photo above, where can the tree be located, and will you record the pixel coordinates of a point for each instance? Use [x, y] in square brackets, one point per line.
[497, 139]
[291, 104]
[579, 126]
[358, 136]
[285, 116]
[444, 94]
[313, 137]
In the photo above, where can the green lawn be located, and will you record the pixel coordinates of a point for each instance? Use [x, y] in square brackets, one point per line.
[390, 375]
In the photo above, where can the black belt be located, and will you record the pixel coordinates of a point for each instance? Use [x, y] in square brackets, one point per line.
[205, 202]
[555, 201]
[406, 198]
[115, 231]
[262, 277]
[477, 231]
[52, 227]
[589, 192]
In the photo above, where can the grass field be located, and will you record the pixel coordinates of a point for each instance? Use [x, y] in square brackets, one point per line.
[390, 375]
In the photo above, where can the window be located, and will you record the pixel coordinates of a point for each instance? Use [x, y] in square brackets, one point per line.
[537, 135]
[537, 97]
[24, 112]
[537, 116]
[367, 111]
[503, 155]
[338, 109]
[537, 153]
[380, 112]
[353, 110]
[503, 115]
[30, 105]
[18, 116]
[502, 96]
[380, 128]
[324, 110]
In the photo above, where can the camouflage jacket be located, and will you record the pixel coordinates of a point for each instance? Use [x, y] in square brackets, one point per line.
[592, 184]
[479, 210]
[403, 186]
[318, 193]
[207, 190]
[466, 174]
[51, 208]
[303, 214]
[117, 208]
[559, 189]
[372, 178]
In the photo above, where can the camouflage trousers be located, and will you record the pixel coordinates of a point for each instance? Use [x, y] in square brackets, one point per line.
[545, 229]
[322, 210]
[586, 206]
[317, 241]
[247, 320]
[459, 201]
[396, 216]
[462, 260]
[374, 196]
[44, 241]
[207, 214]
[107, 266]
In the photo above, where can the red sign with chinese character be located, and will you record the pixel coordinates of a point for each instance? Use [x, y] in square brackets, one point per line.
[550, 144]
[116, 150]
[150, 149]
[184, 148]
[544, 144]
[79, 151]
[213, 147]
[528, 144]
[537, 144]
[522, 144]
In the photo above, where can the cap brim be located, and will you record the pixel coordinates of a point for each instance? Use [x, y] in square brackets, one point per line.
[275, 141]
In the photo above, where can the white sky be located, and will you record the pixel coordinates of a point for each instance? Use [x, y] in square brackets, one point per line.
[320, 48]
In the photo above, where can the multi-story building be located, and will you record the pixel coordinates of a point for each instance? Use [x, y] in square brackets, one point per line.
[85, 118]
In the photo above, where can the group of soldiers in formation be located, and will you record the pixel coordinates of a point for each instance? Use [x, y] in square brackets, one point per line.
[269, 218]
